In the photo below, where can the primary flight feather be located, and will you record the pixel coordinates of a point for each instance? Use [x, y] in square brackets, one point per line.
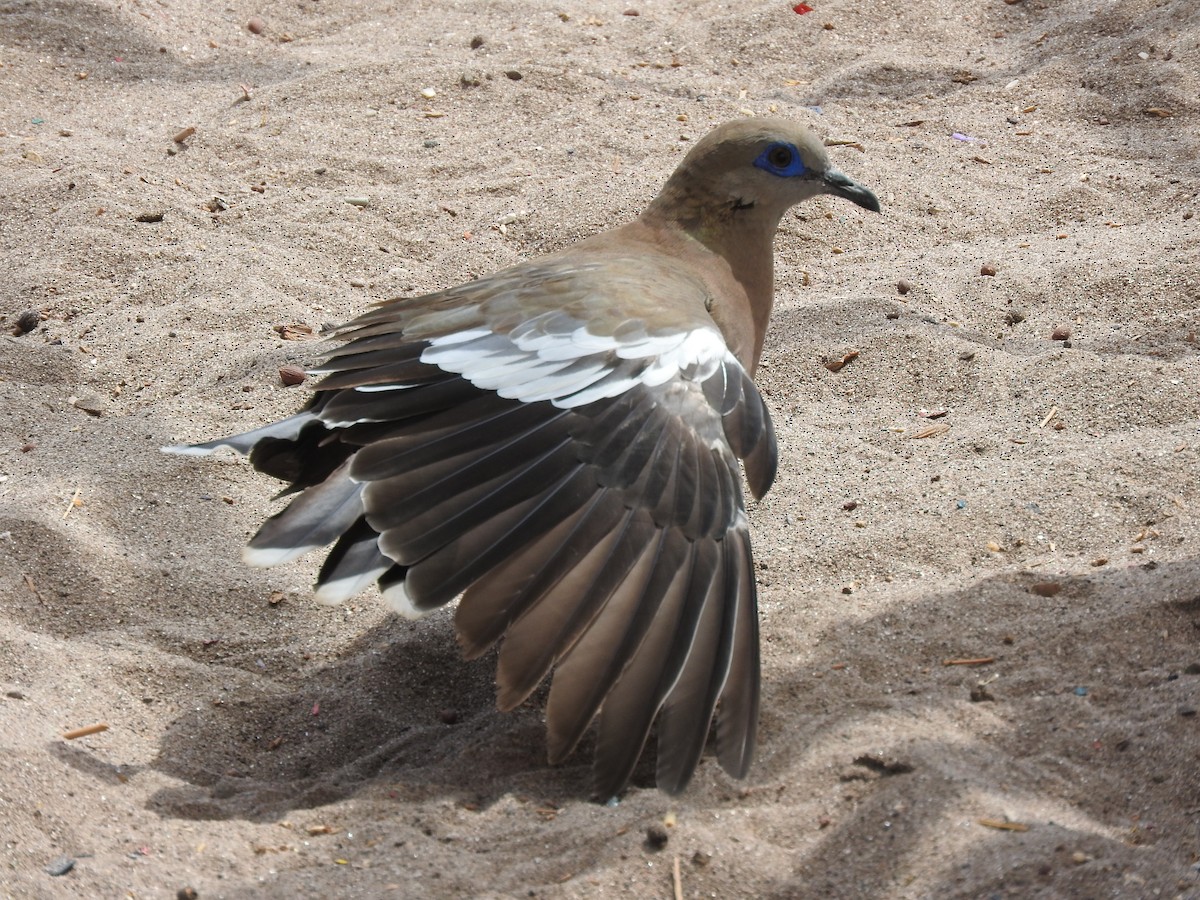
[557, 445]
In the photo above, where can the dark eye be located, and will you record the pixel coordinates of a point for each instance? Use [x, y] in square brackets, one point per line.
[780, 156]
[781, 159]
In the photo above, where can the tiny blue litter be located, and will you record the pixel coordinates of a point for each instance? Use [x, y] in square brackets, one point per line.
[1081, 691]
[961, 504]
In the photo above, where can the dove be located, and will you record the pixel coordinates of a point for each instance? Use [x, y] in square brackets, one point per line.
[560, 447]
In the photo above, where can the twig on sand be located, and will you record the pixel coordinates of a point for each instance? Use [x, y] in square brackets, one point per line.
[75, 501]
[1004, 825]
[84, 731]
[33, 587]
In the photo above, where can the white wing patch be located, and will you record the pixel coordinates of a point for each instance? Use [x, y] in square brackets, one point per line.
[554, 357]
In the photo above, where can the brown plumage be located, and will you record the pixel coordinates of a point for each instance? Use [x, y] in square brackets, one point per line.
[558, 444]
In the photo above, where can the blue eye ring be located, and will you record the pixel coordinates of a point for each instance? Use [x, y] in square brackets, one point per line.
[781, 159]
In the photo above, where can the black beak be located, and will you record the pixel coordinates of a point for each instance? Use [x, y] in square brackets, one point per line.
[841, 185]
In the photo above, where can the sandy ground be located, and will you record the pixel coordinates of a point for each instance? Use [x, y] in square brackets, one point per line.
[262, 745]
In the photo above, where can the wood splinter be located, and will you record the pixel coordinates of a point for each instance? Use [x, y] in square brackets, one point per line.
[835, 365]
[981, 661]
[84, 731]
[75, 502]
[1003, 825]
[33, 587]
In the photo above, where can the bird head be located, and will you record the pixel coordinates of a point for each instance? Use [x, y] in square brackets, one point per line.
[754, 169]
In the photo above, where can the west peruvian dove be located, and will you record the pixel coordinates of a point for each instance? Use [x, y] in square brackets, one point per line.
[558, 444]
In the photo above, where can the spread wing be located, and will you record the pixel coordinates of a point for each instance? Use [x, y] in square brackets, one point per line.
[559, 445]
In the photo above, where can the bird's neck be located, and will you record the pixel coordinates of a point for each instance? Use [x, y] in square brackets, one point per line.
[741, 236]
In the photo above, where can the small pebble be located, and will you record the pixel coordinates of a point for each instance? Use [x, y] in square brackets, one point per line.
[477, 42]
[61, 866]
[980, 694]
[656, 836]
[27, 321]
[700, 858]
[631, 12]
[903, 286]
[1192, 669]
[91, 404]
[14, 695]
[256, 25]
[850, 505]
[1014, 317]
[428, 93]
[987, 269]
[1061, 333]
[1187, 711]
[1045, 588]
[448, 716]
[291, 375]
[514, 75]
[187, 893]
